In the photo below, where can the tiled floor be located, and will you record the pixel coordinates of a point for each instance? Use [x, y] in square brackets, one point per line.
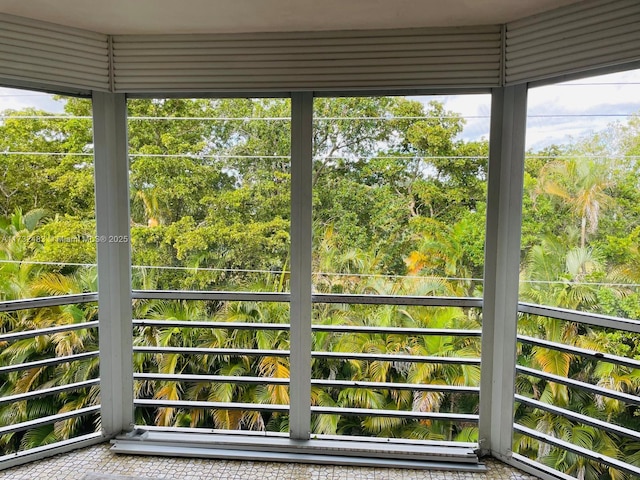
[88, 463]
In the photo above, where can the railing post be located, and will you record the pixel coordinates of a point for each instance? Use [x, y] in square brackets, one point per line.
[114, 261]
[300, 280]
[501, 271]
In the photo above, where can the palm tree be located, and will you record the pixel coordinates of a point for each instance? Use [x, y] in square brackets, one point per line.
[582, 184]
[557, 274]
[46, 346]
[16, 248]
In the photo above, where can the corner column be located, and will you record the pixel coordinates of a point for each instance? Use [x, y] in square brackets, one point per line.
[501, 271]
[300, 283]
[114, 261]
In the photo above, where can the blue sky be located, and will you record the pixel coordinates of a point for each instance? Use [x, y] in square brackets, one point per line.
[562, 112]
[570, 110]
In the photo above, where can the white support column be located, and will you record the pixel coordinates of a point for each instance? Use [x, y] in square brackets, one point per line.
[301, 230]
[501, 270]
[114, 261]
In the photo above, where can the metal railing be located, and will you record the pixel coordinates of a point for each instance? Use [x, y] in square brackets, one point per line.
[346, 299]
[8, 459]
[531, 403]
[582, 418]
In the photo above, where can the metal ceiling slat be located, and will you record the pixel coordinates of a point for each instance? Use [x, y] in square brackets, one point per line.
[576, 52]
[399, 32]
[53, 62]
[328, 79]
[49, 35]
[319, 86]
[18, 53]
[599, 31]
[554, 67]
[132, 60]
[12, 45]
[49, 56]
[458, 63]
[578, 38]
[62, 71]
[239, 52]
[367, 42]
[293, 72]
[52, 27]
[410, 58]
[48, 82]
[574, 12]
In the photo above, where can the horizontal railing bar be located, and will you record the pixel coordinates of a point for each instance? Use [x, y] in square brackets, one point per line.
[371, 412]
[18, 427]
[601, 356]
[212, 325]
[344, 298]
[396, 358]
[396, 330]
[394, 386]
[48, 391]
[9, 337]
[182, 377]
[47, 362]
[253, 407]
[420, 301]
[318, 328]
[285, 353]
[213, 351]
[208, 431]
[578, 417]
[580, 317]
[38, 453]
[211, 296]
[526, 464]
[412, 442]
[590, 454]
[569, 382]
[53, 301]
[316, 410]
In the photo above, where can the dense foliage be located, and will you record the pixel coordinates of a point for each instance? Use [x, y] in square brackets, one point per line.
[399, 208]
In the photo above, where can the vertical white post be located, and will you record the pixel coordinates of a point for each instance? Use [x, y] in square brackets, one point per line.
[501, 270]
[301, 230]
[114, 261]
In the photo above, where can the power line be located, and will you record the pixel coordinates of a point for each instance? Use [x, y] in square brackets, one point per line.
[195, 155]
[287, 119]
[252, 157]
[46, 95]
[321, 157]
[53, 154]
[207, 269]
[594, 84]
[335, 274]
[597, 284]
[44, 117]
[55, 264]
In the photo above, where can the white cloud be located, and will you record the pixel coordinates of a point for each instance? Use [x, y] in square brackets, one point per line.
[576, 109]
[558, 113]
[15, 99]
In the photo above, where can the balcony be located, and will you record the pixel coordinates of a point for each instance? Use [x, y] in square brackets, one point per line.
[320, 264]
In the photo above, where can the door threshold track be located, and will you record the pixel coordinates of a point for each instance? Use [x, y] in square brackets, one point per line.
[314, 451]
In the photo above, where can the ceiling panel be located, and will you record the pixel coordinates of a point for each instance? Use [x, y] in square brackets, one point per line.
[230, 16]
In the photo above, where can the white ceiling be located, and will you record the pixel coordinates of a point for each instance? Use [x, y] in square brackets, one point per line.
[223, 16]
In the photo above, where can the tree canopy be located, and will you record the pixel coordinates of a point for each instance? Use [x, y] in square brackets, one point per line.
[399, 206]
